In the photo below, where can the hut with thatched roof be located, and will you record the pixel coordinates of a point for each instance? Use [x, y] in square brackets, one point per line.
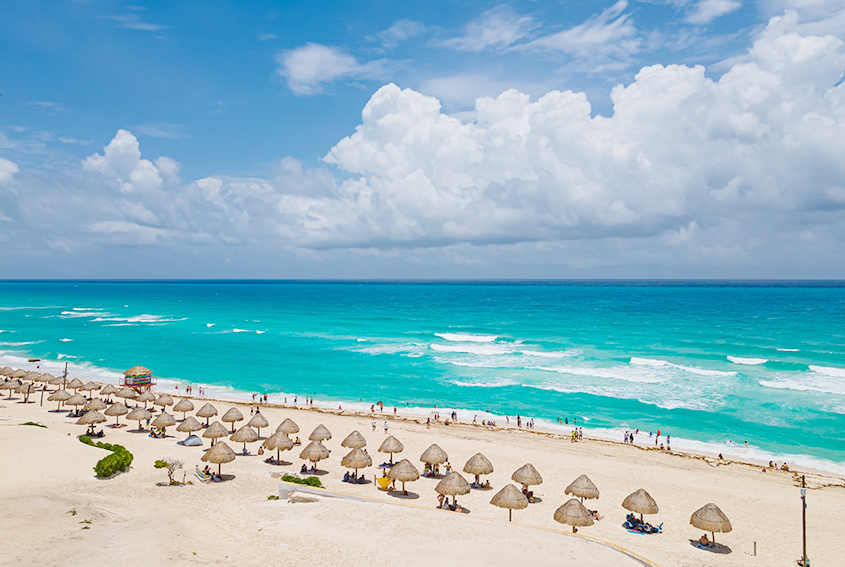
[511, 498]
[574, 514]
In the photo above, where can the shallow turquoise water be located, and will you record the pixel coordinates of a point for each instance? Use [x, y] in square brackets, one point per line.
[762, 363]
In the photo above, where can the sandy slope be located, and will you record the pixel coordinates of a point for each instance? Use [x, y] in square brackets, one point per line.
[46, 473]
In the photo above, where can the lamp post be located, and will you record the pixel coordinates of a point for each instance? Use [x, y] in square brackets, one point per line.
[804, 562]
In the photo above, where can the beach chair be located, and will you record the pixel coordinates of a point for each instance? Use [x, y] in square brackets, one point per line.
[202, 476]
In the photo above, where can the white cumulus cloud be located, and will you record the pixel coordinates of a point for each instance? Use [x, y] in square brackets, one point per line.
[309, 67]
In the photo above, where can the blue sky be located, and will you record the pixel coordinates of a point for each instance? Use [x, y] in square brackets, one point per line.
[220, 139]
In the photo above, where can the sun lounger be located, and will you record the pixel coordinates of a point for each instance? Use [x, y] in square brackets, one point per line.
[202, 476]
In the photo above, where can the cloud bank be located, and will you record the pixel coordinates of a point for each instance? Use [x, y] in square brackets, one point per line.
[741, 170]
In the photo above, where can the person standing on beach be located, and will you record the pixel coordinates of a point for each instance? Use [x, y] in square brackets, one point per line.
[385, 427]
[374, 425]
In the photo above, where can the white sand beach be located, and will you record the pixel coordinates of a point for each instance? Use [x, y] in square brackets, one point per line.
[56, 512]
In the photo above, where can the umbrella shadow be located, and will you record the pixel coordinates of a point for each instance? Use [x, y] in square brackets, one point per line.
[537, 500]
[399, 494]
[719, 548]
[225, 478]
[281, 462]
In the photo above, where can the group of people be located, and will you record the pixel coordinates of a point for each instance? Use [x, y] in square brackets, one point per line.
[577, 434]
[210, 474]
[157, 433]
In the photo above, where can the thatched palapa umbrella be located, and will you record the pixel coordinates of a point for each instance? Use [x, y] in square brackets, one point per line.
[11, 385]
[527, 476]
[258, 421]
[74, 385]
[91, 418]
[434, 455]
[107, 390]
[76, 400]
[232, 416]
[145, 396]
[163, 400]
[93, 404]
[403, 472]
[5, 371]
[189, 425]
[214, 431]
[288, 426]
[357, 459]
[59, 396]
[582, 487]
[641, 503]
[710, 519]
[391, 445]
[478, 464]
[20, 373]
[246, 434]
[320, 433]
[116, 409]
[89, 387]
[354, 441]
[163, 420]
[511, 498]
[26, 388]
[126, 393]
[279, 442]
[574, 514]
[207, 411]
[220, 453]
[139, 415]
[452, 485]
[183, 405]
[314, 452]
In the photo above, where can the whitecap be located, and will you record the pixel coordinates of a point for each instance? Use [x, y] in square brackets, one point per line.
[748, 361]
[61, 356]
[260, 332]
[480, 349]
[500, 383]
[66, 340]
[240, 330]
[615, 373]
[209, 324]
[788, 349]
[829, 371]
[549, 354]
[22, 343]
[657, 363]
[466, 337]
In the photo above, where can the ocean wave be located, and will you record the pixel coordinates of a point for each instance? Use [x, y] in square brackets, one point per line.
[479, 349]
[789, 349]
[466, 337]
[500, 383]
[829, 371]
[66, 340]
[613, 373]
[748, 361]
[241, 331]
[22, 343]
[209, 324]
[550, 354]
[260, 332]
[141, 319]
[657, 363]
[61, 356]
[97, 313]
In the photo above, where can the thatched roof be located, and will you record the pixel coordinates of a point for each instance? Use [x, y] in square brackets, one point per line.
[26, 388]
[145, 396]
[582, 487]
[183, 405]
[138, 371]
[5, 371]
[163, 419]
[354, 441]
[453, 484]
[189, 425]
[574, 514]
[288, 426]
[403, 471]
[391, 445]
[107, 390]
[640, 502]
[139, 414]
[116, 409]
[89, 386]
[21, 373]
[478, 464]
[220, 453]
[278, 442]
[245, 434]
[91, 418]
[215, 430]
[434, 455]
[124, 392]
[258, 421]
[510, 497]
[527, 475]
[357, 459]
[232, 416]
[314, 451]
[56, 380]
[163, 400]
[207, 410]
[76, 400]
[95, 404]
[710, 519]
[320, 433]
[74, 384]
[59, 396]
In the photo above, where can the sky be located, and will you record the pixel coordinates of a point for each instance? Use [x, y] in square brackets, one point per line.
[422, 140]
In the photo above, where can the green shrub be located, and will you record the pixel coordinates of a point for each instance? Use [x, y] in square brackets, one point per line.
[35, 424]
[272, 497]
[118, 461]
[310, 481]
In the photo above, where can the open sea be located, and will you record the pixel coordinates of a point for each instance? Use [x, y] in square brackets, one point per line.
[712, 364]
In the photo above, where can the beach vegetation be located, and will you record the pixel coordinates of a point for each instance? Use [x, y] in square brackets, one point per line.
[72, 512]
[273, 497]
[310, 481]
[34, 424]
[118, 461]
[172, 465]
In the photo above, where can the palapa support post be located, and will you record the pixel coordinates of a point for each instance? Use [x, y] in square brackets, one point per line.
[804, 520]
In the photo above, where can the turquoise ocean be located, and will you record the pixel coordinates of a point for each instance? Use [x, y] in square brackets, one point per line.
[713, 364]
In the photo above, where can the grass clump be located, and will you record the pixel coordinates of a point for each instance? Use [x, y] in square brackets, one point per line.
[34, 424]
[310, 481]
[272, 497]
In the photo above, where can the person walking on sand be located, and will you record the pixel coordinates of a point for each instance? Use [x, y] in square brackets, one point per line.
[374, 426]
[385, 427]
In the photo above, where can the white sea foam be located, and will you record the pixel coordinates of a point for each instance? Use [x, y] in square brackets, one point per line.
[240, 330]
[498, 383]
[141, 319]
[615, 373]
[657, 363]
[550, 354]
[466, 337]
[21, 343]
[260, 332]
[66, 340]
[748, 361]
[470, 348]
[91, 313]
[61, 356]
[829, 371]
[209, 324]
[788, 349]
